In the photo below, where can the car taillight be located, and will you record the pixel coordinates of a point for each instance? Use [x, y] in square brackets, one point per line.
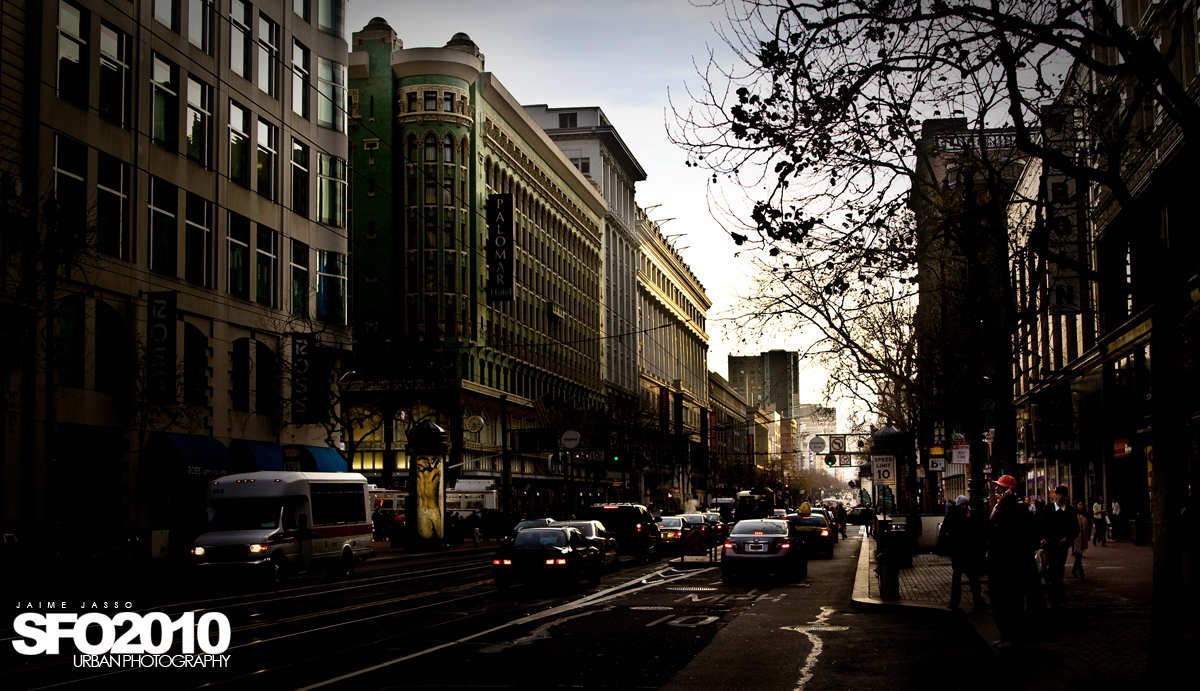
[495, 561]
[639, 527]
[560, 561]
[728, 545]
[824, 533]
[784, 545]
[507, 562]
[678, 533]
[550, 562]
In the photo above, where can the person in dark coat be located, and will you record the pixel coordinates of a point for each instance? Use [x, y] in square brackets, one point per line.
[1011, 540]
[963, 535]
[1060, 527]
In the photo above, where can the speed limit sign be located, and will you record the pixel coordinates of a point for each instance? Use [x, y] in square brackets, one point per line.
[883, 470]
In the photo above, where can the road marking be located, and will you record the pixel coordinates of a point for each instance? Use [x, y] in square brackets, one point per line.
[809, 631]
[659, 621]
[541, 633]
[700, 621]
[594, 598]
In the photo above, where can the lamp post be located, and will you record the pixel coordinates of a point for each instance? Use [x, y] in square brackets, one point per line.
[427, 449]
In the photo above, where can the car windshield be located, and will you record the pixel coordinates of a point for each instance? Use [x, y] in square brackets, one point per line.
[759, 528]
[536, 523]
[585, 528]
[671, 522]
[541, 538]
[818, 521]
[694, 518]
[713, 516]
[247, 514]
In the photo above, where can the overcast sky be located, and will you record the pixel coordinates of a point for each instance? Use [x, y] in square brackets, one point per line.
[623, 56]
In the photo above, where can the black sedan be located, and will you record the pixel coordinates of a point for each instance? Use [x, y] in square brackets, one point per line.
[763, 546]
[547, 555]
[596, 535]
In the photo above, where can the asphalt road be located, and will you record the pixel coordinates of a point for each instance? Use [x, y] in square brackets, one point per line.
[443, 624]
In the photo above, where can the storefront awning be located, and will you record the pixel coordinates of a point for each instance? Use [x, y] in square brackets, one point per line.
[313, 459]
[248, 456]
[196, 455]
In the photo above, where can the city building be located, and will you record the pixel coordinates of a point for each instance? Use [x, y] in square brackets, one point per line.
[728, 465]
[815, 420]
[672, 361]
[186, 267]
[502, 349]
[769, 377]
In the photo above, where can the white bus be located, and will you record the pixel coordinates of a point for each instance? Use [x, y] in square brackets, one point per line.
[462, 502]
[286, 522]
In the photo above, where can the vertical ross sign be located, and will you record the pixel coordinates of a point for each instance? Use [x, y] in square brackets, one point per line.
[500, 248]
[160, 344]
[302, 366]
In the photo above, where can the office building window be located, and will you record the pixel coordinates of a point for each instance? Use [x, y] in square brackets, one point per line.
[331, 95]
[331, 286]
[447, 193]
[239, 145]
[299, 278]
[568, 119]
[239, 256]
[166, 103]
[164, 209]
[265, 267]
[300, 178]
[197, 241]
[268, 55]
[300, 79]
[72, 54]
[448, 149]
[331, 190]
[584, 165]
[200, 23]
[70, 187]
[267, 143]
[114, 75]
[198, 118]
[430, 100]
[430, 191]
[412, 102]
[300, 7]
[112, 207]
[167, 13]
[448, 102]
[330, 16]
[239, 38]
[430, 148]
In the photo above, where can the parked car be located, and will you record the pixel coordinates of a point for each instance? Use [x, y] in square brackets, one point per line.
[762, 546]
[596, 535]
[813, 530]
[555, 554]
[633, 526]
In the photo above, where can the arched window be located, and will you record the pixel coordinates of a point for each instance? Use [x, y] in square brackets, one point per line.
[448, 150]
[466, 151]
[430, 148]
[412, 148]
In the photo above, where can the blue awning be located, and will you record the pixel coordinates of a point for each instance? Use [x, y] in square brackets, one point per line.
[327, 460]
[196, 455]
[248, 456]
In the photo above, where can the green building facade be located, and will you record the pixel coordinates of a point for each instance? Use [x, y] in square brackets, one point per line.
[432, 135]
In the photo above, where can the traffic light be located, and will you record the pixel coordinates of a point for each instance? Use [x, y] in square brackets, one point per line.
[830, 460]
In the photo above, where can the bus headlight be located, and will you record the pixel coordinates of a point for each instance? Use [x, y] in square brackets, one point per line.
[198, 551]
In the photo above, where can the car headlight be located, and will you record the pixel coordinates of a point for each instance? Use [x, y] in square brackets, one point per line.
[255, 549]
[198, 551]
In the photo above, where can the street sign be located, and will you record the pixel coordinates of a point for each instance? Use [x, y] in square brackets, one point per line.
[696, 544]
[570, 439]
[920, 472]
[883, 470]
[961, 451]
[837, 443]
[816, 444]
[597, 454]
[845, 459]
[937, 465]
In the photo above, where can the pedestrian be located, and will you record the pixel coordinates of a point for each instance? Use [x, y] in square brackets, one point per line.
[1115, 521]
[841, 518]
[1099, 523]
[1060, 527]
[1011, 540]
[477, 536]
[397, 532]
[962, 533]
[869, 519]
[1080, 543]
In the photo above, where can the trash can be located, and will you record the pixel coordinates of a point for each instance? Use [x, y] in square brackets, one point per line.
[900, 545]
[888, 572]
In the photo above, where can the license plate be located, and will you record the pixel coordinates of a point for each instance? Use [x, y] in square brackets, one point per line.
[757, 548]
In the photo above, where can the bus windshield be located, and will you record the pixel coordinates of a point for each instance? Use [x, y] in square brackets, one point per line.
[247, 514]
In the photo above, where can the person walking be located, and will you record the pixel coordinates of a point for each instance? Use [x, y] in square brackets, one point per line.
[1011, 541]
[1060, 527]
[869, 519]
[841, 519]
[1116, 522]
[963, 535]
[1080, 543]
[1099, 523]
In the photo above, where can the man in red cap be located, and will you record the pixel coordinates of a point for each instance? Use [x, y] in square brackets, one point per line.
[1012, 540]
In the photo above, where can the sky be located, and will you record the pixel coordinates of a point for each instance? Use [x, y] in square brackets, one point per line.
[628, 57]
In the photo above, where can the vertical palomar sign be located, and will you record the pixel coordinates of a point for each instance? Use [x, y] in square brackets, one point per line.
[500, 248]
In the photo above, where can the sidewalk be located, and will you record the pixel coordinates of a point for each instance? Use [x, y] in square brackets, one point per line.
[1101, 639]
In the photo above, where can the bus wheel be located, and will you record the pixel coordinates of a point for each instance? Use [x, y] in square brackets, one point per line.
[345, 565]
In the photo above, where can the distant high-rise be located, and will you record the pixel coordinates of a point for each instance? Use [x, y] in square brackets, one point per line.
[770, 377]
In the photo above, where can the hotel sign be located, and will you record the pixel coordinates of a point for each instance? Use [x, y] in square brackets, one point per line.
[500, 248]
